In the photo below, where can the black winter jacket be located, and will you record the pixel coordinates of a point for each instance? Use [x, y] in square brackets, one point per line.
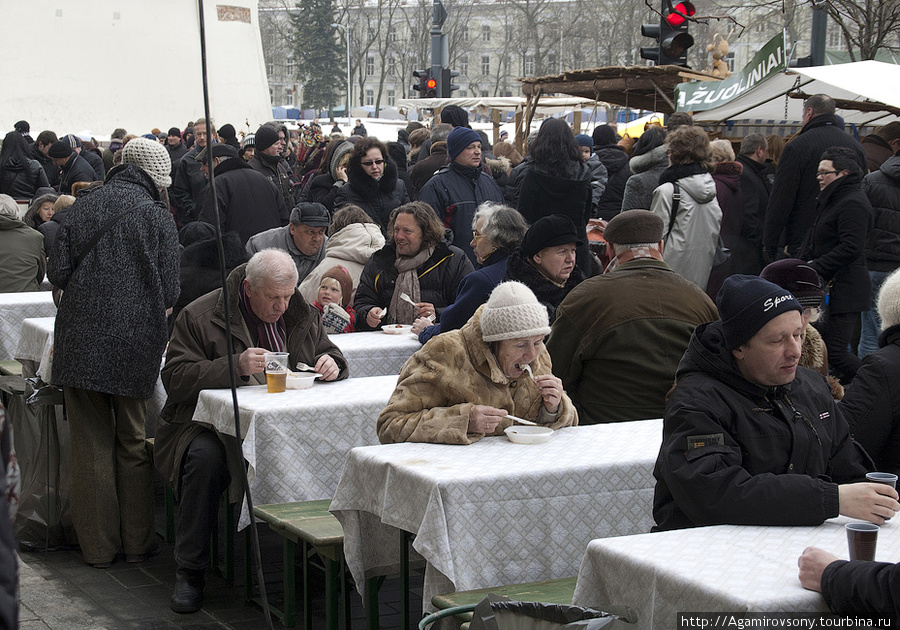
[550, 295]
[882, 187]
[20, 181]
[277, 171]
[615, 160]
[50, 169]
[862, 588]
[200, 268]
[188, 184]
[75, 170]
[377, 197]
[439, 279]
[835, 244]
[756, 182]
[792, 202]
[248, 202]
[872, 405]
[96, 163]
[734, 452]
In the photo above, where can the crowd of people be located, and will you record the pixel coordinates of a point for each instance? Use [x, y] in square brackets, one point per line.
[727, 298]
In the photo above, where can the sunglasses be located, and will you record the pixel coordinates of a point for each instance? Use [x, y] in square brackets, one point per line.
[373, 163]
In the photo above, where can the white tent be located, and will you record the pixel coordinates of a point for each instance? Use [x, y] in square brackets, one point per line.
[862, 82]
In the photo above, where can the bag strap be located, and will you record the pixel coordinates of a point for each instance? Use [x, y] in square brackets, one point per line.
[109, 223]
[676, 203]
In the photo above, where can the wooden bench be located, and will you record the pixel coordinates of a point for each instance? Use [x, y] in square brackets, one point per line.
[558, 591]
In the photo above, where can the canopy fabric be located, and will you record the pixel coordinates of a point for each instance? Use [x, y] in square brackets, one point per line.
[863, 82]
[547, 104]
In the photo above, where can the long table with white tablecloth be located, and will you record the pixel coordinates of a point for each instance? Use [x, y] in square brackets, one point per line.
[16, 308]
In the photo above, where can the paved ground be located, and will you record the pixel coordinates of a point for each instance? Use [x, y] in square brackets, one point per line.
[59, 591]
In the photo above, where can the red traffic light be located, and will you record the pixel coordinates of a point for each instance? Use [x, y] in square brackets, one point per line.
[677, 16]
[431, 84]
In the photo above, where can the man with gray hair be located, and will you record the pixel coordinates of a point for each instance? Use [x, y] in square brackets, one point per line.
[792, 202]
[425, 168]
[268, 315]
[618, 337]
[248, 202]
[756, 183]
[21, 251]
[188, 182]
[303, 238]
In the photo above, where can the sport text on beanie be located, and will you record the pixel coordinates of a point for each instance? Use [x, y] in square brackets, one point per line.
[747, 303]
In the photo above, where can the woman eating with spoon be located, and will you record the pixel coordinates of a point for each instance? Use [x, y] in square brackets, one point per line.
[464, 384]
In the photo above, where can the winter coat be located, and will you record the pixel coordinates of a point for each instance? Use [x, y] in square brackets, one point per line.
[280, 238]
[862, 588]
[378, 197]
[111, 329]
[746, 248]
[599, 181]
[21, 257]
[792, 202]
[188, 184]
[474, 290]
[75, 170]
[730, 198]
[646, 170]
[200, 268]
[50, 169]
[439, 279]
[350, 247]
[441, 382]
[691, 245]
[877, 150]
[277, 171]
[423, 170]
[835, 245]
[176, 153]
[872, 405]
[248, 202]
[618, 338]
[455, 192]
[96, 163]
[48, 229]
[615, 160]
[360, 130]
[196, 359]
[499, 168]
[551, 295]
[21, 180]
[882, 187]
[734, 452]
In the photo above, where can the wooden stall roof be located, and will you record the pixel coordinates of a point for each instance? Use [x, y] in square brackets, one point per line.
[640, 87]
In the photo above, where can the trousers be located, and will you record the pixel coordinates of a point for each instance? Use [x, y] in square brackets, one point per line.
[112, 491]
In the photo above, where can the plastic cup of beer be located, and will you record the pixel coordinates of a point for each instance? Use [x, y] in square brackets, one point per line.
[861, 540]
[889, 479]
[276, 371]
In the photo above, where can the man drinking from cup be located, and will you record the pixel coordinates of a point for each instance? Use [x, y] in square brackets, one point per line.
[751, 438]
[267, 315]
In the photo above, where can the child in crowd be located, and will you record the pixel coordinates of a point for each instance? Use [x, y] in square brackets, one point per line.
[333, 301]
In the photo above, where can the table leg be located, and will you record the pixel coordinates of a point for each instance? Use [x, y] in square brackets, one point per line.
[405, 538]
[373, 585]
[332, 584]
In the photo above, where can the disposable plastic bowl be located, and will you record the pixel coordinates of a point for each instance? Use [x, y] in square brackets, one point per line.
[396, 329]
[300, 381]
[528, 435]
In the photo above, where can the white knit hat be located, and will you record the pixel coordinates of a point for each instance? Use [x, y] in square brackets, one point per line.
[889, 301]
[512, 312]
[150, 156]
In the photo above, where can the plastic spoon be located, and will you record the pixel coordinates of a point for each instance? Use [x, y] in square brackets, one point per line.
[521, 420]
[406, 298]
[530, 373]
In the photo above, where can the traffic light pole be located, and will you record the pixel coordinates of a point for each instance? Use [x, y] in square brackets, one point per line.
[440, 52]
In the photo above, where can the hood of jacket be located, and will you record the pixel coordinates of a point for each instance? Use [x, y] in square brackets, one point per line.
[613, 157]
[706, 352]
[14, 164]
[368, 187]
[9, 223]
[729, 174]
[701, 187]
[498, 165]
[649, 160]
[891, 169]
[357, 242]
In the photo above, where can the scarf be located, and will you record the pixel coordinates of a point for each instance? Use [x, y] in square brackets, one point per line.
[273, 336]
[680, 171]
[632, 254]
[401, 311]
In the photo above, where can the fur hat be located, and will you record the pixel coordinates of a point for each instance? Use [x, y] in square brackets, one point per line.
[799, 278]
[266, 136]
[512, 312]
[459, 139]
[60, 149]
[634, 226]
[547, 232]
[150, 156]
[747, 303]
[889, 301]
[340, 274]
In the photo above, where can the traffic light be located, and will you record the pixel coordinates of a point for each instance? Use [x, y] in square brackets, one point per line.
[671, 35]
[427, 85]
[447, 85]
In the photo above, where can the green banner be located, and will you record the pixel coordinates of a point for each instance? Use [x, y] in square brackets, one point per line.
[698, 96]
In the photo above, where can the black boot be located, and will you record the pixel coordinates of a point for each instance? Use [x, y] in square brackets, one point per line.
[188, 594]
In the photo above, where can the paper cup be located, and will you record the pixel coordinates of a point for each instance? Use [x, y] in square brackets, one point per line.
[861, 540]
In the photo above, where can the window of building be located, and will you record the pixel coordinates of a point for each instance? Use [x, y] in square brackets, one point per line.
[729, 59]
[486, 33]
[288, 96]
[464, 93]
[392, 66]
[370, 66]
[485, 65]
[371, 34]
[464, 65]
[834, 36]
[464, 35]
[370, 97]
[271, 68]
[393, 34]
[391, 99]
[528, 68]
[291, 67]
[484, 93]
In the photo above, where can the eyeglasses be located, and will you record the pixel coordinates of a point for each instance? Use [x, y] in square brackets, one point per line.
[812, 311]
[476, 235]
[373, 163]
[824, 173]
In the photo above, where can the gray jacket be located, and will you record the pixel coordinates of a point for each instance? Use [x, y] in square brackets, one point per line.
[280, 238]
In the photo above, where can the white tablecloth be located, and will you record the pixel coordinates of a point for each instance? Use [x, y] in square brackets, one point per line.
[494, 512]
[376, 353]
[726, 568]
[296, 442]
[35, 352]
[14, 309]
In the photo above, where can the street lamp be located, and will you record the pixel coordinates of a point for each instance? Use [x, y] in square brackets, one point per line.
[346, 30]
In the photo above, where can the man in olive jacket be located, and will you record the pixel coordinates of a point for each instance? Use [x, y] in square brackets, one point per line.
[267, 315]
[618, 337]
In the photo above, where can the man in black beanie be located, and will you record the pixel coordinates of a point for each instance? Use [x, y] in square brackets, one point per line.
[270, 141]
[751, 438]
[72, 167]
